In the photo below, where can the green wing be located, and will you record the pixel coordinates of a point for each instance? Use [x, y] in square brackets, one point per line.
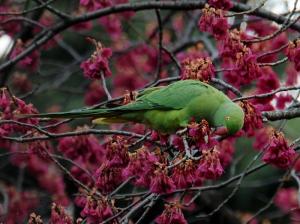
[175, 96]
[149, 90]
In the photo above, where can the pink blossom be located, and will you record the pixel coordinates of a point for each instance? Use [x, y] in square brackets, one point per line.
[269, 81]
[31, 61]
[200, 134]
[262, 27]
[162, 138]
[210, 166]
[97, 63]
[82, 175]
[262, 137]
[278, 153]
[241, 68]
[184, 174]
[291, 75]
[197, 68]
[232, 44]
[117, 152]
[226, 151]
[253, 118]
[108, 177]
[59, 215]
[85, 147]
[247, 67]
[5, 101]
[41, 149]
[171, 215]
[177, 142]
[141, 166]
[11, 107]
[282, 100]
[213, 22]
[161, 182]
[39, 165]
[279, 41]
[221, 4]
[96, 211]
[293, 53]
[86, 151]
[195, 52]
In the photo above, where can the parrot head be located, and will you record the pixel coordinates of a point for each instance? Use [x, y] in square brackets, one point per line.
[230, 117]
[234, 119]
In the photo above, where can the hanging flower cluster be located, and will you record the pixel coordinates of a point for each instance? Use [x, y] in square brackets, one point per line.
[278, 153]
[140, 166]
[239, 61]
[84, 150]
[213, 22]
[246, 66]
[160, 181]
[293, 53]
[253, 118]
[197, 68]
[59, 215]
[200, 133]
[11, 108]
[109, 174]
[171, 214]
[210, 166]
[97, 63]
[96, 209]
[184, 175]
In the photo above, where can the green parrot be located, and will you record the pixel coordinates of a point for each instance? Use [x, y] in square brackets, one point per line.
[168, 109]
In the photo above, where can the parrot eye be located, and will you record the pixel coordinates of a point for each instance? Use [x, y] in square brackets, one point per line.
[227, 118]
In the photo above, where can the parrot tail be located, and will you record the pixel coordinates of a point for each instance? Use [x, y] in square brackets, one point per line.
[103, 113]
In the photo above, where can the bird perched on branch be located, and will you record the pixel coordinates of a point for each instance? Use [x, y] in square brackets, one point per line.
[169, 108]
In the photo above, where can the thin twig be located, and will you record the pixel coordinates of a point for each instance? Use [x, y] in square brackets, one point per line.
[105, 86]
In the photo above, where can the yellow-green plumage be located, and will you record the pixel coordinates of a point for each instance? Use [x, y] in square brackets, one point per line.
[170, 108]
